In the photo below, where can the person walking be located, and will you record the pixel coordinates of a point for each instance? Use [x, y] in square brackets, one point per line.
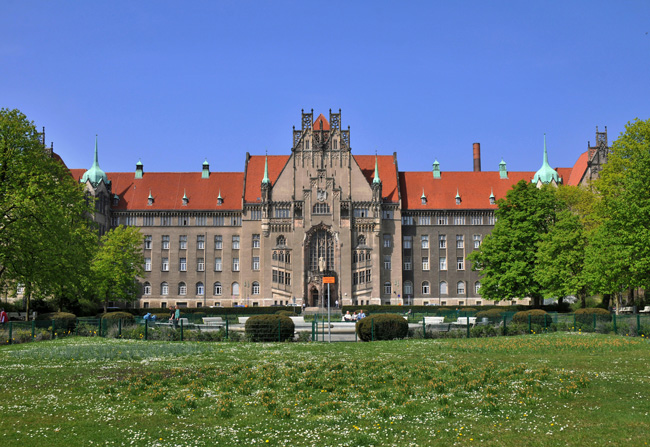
[3, 316]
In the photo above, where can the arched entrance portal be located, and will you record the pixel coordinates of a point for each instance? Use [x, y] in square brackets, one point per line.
[321, 256]
[313, 297]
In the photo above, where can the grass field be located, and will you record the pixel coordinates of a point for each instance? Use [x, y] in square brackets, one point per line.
[542, 390]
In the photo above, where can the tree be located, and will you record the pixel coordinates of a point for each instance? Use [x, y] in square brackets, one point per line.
[507, 258]
[45, 233]
[117, 264]
[620, 255]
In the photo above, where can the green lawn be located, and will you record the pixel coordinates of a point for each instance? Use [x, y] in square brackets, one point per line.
[537, 390]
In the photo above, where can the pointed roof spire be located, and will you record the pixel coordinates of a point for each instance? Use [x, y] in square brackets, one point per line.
[376, 178]
[266, 180]
[185, 198]
[423, 196]
[546, 174]
[436, 169]
[150, 196]
[95, 173]
[219, 198]
[457, 197]
[205, 172]
[491, 193]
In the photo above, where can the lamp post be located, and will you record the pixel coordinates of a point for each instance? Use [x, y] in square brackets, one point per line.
[246, 285]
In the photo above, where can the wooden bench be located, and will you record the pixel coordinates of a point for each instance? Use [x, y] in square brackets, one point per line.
[434, 320]
[213, 321]
[645, 310]
[462, 321]
[626, 310]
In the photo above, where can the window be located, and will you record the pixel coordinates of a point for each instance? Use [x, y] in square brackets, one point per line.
[200, 290]
[218, 242]
[217, 264]
[235, 289]
[256, 262]
[182, 242]
[218, 221]
[217, 288]
[147, 242]
[425, 240]
[321, 208]
[386, 240]
[426, 288]
[443, 263]
[235, 264]
[184, 221]
[424, 220]
[387, 288]
[200, 221]
[148, 221]
[200, 264]
[477, 287]
[146, 289]
[165, 242]
[147, 264]
[442, 241]
[165, 221]
[164, 288]
[235, 242]
[460, 263]
[281, 213]
[477, 241]
[165, 264]
[361, 212]
[408, 242]
[460, 241]
[235, 221]
[361, 240]
[477, 220]
[183, 264]
[255, 288]
[281, 241]
[491, 219]
[460, 288]
[425, 263]
[387, 262]
[200, 242]
[408, 288]
[182, 288]
[256, 241]
[459, 220]
[442, 220]
[407, 220]
[368, 276]
[408, 265]
[387, 215]
[256, 214]
[443, 288]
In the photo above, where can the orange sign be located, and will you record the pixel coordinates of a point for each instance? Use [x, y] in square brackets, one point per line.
[328, 280]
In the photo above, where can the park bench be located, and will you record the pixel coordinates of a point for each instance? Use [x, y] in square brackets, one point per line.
[434, 320]
[213, 321]
[462, 321]
[16, 315]
[298, 320]
[626, 310]
[242, 320]
[184, 321]
[645, 310]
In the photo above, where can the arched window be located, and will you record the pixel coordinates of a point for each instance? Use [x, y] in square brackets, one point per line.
[146, 289]
[460, 288]
[164, 288]
[361, 240]
[426, 288]
[387, 288]
[443, 288]
[281, 256]
[200, 290]
[255, 288]
[477, 287]
[274, 256]
[281, 241]
[217, 288]
[182, 288]
[408, 288]
[235, 289]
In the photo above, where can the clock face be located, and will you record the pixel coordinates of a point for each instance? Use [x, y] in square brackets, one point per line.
[321, 195]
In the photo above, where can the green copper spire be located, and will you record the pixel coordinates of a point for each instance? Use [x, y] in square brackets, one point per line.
[436, 169]
[205, 173]
[546, 174]
[266, 180]
[95, 173]
[139, 169]
[503, 172]
[376, 179]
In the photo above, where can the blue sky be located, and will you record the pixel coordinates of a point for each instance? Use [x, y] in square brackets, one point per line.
[175, 82]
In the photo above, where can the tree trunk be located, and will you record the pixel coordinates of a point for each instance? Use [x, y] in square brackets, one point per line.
[28, 296]
[607, 298]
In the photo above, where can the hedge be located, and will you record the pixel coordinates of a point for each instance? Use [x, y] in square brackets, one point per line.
[126, 316]
[270, 328]
[62, 320]
[382, 327]
[585, 315]
[537, 316]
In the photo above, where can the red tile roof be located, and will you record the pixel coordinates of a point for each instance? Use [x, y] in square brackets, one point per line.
[387, 173]
[321, 119]
[578, 171]
[255, 174]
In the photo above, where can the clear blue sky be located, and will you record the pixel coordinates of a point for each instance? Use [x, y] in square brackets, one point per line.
[174, 82]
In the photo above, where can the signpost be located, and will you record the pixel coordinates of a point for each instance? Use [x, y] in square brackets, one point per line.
[328, 280]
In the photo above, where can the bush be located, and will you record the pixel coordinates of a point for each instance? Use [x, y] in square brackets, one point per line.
[492, 314]
[385, 327]
[585, 315]
[286, 313]
[537, 316]
[269, 328]
[63, 320]
[125, 316]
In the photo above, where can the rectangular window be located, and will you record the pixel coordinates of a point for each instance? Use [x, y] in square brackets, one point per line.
[477, 240]
[387, 288]
[165, 221]
[287, 279]
[361, 212]
[115, 221]
[200, 242]
[387, 215]
[147, 242]
[460, 241]
[459, 220]
[442, 241]
[200, 264]
[218, 242]
[218, 221]
[200, 221]
[408, 242]
[280, 277]
[407, 263]
[165, 242]
[368, 276]
[182, 242]
[235, 264]
[183, 221]
[386, 240]
[256, 214]
[256, 241]
[442, 220]
[275, 276]
[425, 263]
[148, 221]
[443, 263]
[235, 221]
[477, 220]
[147, 264]
[387, 262]
[183, 264]
[281, 213]
[217, 264]
[460, 263]
[425, 240]
[491, 219]
[355, 278]
[235, 242]
[407, 220]
[424, 220]
[256, 262]
[165, 264]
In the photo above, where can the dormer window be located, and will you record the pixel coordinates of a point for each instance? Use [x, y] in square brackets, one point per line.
[116, 200]
[219, 201]
[186, 200]
[150, 199]
[457, 200]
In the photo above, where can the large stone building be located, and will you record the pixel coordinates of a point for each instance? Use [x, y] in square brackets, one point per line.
[270, 234]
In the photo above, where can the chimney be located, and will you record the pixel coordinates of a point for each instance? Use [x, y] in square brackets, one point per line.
[477, 157]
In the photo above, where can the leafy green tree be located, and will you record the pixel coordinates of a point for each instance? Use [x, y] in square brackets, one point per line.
[507, 258]
[117, 264]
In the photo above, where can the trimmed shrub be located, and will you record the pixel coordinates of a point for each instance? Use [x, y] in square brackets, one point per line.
[286, 313]
[492, 314]
[269, 328]
[385, 327]
[537, 316]
[126, 316]
[585, 315]
[62, 320]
